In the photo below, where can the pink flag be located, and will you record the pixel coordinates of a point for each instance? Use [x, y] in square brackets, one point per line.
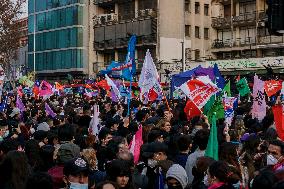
[199, 90]
[45, 89]
[259, 103]
[135, 144]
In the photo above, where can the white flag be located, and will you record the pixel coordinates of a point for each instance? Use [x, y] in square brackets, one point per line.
[113, 86]
[259, 103]
[149, 75]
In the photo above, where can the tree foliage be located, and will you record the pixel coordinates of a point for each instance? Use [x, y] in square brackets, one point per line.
[10, 12]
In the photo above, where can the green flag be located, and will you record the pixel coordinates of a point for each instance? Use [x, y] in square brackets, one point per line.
[208, 105]
[218, 109]
[212, 145]
[227, 89]
[242, 87]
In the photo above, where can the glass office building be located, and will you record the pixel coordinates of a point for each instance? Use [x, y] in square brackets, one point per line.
[59, 36]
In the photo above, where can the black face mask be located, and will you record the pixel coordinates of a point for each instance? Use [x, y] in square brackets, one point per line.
[175, 187]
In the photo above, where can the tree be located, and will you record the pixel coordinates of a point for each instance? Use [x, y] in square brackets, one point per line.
[10, 12]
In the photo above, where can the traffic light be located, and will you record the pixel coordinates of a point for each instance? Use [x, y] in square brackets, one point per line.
[275, 17]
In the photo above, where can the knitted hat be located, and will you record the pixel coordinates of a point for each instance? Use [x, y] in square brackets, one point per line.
[177, 172]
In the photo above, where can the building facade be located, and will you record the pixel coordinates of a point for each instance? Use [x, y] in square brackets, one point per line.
[239, 32]
[60, 29]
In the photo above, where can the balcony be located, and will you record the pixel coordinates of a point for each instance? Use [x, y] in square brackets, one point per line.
[246, 19]
[221, 23]
[116, 36]
[271, 42]
[105, 19]
[105, 3]
[236, 44]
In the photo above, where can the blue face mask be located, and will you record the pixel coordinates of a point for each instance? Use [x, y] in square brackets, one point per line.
[78, 186]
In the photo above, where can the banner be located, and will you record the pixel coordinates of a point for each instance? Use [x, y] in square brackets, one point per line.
[199, 90]
[259, 103]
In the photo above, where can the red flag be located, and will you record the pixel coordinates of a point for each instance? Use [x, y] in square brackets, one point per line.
[20, 91]
[199, 90]
[152, 95]
[191, 110]
[272, 86]
[279, 120]
[103, 84]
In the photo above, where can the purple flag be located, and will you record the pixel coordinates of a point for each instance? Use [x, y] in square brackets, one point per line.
[204, 72]
[20, 104]
[49, 111]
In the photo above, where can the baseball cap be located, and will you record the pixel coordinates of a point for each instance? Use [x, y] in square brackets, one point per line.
[76, 166]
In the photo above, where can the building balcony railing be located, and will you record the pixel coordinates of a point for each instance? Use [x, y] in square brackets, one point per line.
[238, 42]
[109, 19]
[108, 2]
[244, 19]
[123, 42]
[220, 22]
[271, 40]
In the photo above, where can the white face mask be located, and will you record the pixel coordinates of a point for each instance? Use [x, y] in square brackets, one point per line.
[271, 160]
[78, 186]
[205, 180]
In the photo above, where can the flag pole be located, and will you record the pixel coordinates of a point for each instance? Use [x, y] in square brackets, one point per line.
[129, 99]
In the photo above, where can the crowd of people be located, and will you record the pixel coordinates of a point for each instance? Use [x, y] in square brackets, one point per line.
[38, 151]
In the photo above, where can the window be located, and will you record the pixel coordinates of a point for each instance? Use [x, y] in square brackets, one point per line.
[188, 54]
[206, 9]
[187, 30]
[197, 32]
[206, 33]
[187, 5]
[197, 8]
[197, 54]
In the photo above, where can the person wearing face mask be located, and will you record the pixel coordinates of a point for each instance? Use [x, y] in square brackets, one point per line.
[176, 177]
[275, 158]
[76, 174]
[219, 176]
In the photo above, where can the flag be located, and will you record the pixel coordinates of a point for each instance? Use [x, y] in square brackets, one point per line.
[272, 86]
[282, 96]
[135, 144]
[68, 90]
[103, 84]
[3, 105]
[199, 90]
[191, 110]
[217, 109]
[212, 145]
[259, 103]
[219, 80]
[227, 89]
[228, 103]
[20, 104]
[205, 72]
[128, 72]
[45, 89]
[242, 87]
[20, 91]
[58, 86]
[149, 78]
[115, 91]
[279, 120]
[36, 89]
[94, 124]
[49, 111]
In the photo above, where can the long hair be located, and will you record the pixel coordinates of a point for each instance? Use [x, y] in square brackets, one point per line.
[14, 170]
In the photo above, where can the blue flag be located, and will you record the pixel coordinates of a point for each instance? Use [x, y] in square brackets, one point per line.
[220, 81]
[130, 59]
